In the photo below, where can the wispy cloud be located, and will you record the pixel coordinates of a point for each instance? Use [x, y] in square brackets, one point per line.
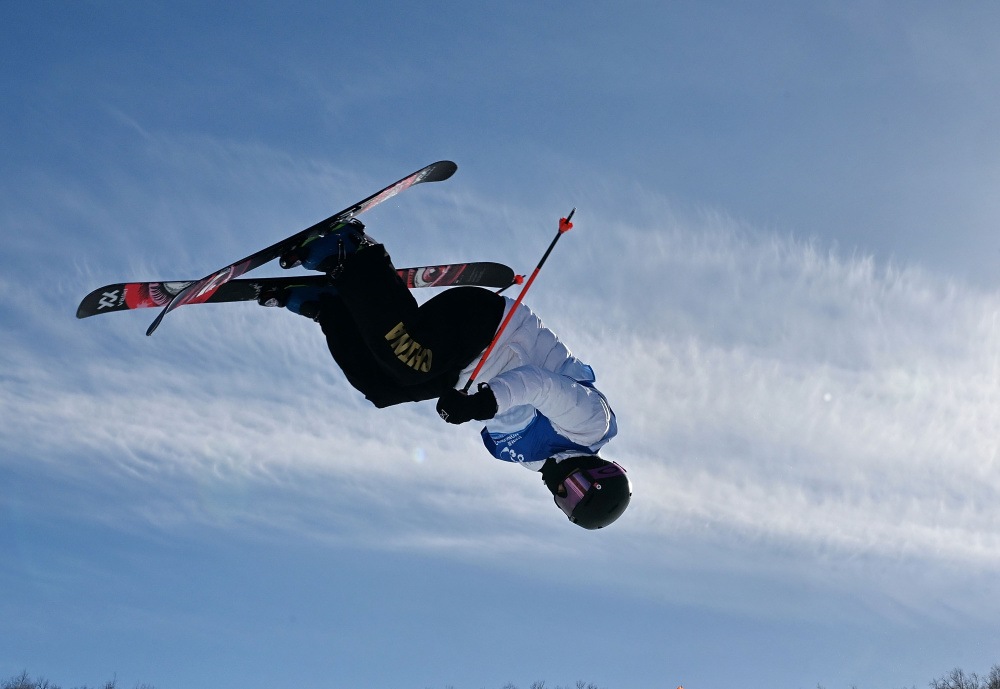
[825, 399]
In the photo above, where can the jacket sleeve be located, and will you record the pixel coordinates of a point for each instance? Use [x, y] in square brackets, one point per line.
[576, 411]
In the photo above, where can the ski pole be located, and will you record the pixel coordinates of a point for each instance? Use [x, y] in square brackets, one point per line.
[564, 226]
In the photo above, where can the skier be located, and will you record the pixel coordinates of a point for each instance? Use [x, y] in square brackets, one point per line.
[539, 403]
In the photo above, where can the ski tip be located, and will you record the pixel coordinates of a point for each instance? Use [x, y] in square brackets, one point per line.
[440, 171]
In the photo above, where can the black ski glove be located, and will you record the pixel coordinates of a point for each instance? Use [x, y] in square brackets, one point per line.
[458, 407]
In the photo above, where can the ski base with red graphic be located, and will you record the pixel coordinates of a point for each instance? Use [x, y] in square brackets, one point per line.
[127, 296]
[201, 291]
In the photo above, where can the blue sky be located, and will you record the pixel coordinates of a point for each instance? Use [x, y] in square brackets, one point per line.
[784, 270]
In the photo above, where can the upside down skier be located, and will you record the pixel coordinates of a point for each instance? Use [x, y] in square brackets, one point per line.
[539, 401]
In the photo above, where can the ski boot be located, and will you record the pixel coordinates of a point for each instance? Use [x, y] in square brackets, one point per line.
[328, 253]
[304, 301]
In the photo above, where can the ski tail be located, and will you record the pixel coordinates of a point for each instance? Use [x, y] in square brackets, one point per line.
[125, 296]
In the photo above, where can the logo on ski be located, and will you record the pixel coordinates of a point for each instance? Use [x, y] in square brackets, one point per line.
[108, 300]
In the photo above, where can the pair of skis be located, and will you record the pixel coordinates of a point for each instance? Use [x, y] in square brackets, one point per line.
[223, 285]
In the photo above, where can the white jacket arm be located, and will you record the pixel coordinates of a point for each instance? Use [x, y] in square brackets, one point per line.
[576, 411]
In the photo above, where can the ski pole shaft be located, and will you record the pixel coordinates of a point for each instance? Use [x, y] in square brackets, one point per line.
[564, 226]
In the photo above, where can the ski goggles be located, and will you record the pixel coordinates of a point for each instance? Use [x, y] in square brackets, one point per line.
[582, 483]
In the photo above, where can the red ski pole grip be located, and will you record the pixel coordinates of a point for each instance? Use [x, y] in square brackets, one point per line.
[564, 223]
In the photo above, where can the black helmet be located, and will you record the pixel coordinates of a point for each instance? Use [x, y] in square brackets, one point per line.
[589, 490]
